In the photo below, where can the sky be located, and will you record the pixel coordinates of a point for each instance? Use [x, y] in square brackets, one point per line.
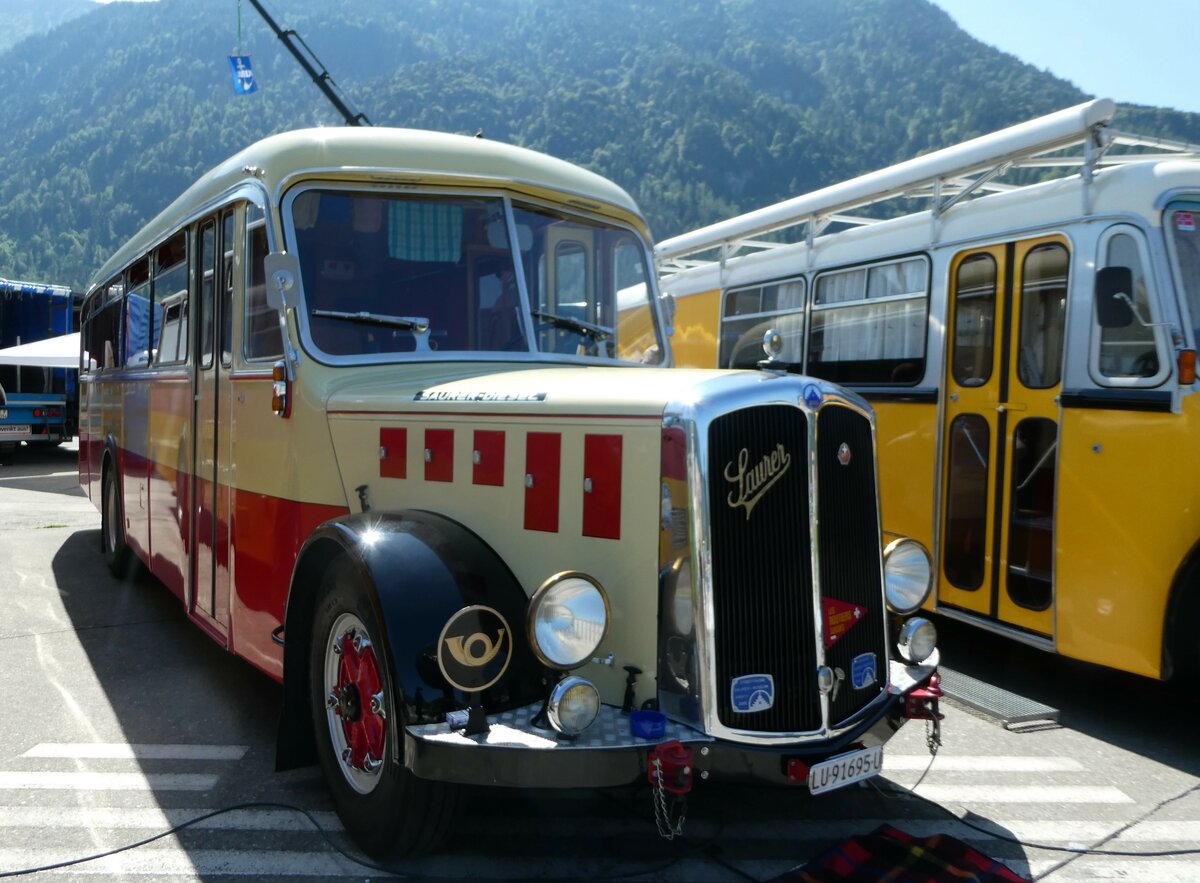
[1135, 51]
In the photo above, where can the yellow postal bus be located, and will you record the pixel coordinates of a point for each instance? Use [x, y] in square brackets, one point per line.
[387, 411]
[1028, 340]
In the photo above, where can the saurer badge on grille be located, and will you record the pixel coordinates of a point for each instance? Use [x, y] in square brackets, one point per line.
[752, 482]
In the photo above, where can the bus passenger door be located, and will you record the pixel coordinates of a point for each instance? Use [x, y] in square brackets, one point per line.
[209, 599]
[1000, 435]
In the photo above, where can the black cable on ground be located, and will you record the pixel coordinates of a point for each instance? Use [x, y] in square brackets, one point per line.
[658, 868]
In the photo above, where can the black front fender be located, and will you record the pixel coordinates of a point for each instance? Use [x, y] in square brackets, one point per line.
[418, 569]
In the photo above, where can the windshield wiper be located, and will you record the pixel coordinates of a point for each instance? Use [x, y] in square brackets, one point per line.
[419, 324]
[587, 329]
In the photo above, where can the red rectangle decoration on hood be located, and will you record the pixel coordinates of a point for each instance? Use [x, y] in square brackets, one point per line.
[543, 466]
[602, 486]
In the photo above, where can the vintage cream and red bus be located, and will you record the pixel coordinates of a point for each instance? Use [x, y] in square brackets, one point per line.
[1029, 349]
[387, 411]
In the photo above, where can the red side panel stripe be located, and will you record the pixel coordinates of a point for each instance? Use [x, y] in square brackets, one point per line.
[602, 486]
[393, 453]
[439, 455]
[488, 456]
[542, 472]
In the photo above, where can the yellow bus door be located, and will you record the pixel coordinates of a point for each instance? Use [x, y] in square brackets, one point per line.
[1000, 432]
[210, 535]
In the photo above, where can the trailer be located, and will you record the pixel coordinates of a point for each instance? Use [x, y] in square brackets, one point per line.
[38, 403]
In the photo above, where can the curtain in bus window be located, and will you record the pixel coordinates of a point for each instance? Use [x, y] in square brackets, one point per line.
[1130, 351]
[750, 313]
[420, 231]
[868, 325]
[1043, 316]
[139, 322]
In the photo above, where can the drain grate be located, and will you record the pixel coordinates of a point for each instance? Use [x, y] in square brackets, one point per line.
[993, 701]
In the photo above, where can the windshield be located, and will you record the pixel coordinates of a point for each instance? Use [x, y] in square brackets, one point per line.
[1183, 232]
[388, 273]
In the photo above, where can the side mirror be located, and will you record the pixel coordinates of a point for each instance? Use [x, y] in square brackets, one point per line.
[282, 272]
[1114, 297]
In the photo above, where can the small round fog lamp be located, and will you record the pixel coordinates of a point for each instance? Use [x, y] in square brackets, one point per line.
[573, 706]
[917, 640]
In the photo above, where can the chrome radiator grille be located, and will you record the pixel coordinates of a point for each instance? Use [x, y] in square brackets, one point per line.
[762, 537]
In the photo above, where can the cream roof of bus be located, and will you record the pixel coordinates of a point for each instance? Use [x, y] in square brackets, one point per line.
[408, 155]
[1136, 188]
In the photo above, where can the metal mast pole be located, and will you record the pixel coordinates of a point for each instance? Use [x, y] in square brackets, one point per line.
[321, 77]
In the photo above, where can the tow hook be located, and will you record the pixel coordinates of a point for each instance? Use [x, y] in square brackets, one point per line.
[669, 771]
[669, 767]
[922, 704]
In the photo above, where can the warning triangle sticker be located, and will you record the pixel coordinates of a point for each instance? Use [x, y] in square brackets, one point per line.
[840, 617]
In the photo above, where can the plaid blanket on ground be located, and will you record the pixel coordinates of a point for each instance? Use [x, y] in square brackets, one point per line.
[888, 855]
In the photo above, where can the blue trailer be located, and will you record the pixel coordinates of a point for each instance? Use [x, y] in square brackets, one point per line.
[38, 405]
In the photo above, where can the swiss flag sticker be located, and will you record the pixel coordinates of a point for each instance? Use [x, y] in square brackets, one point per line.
[840, 617]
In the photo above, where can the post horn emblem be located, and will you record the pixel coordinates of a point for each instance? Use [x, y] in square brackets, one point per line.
[844, 454]
[474, 648]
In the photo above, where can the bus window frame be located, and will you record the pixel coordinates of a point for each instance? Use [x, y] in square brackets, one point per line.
[173, 297]
[1189, 319]
[249, 226]
[866, 266]
[802, 311]
[511, 203]
[1161, 344]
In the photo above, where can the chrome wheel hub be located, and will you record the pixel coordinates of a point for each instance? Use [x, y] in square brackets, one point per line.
[356, 705]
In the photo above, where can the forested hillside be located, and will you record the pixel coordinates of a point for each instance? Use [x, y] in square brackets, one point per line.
[698, 107]
[20, 18]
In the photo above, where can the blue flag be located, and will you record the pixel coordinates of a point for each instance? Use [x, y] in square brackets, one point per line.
[243, 76]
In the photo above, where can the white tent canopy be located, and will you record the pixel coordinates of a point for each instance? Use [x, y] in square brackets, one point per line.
[54, 352]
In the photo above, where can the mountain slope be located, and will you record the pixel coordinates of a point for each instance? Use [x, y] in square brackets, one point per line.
[699, 108]
[21, 18]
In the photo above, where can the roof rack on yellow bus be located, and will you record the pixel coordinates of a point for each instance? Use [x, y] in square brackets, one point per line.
[1077, 138]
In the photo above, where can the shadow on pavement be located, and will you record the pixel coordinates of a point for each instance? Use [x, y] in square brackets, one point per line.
[1150, 718]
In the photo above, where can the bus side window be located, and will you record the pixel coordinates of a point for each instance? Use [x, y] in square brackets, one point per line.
[1130, 351]
[261, 331]
[139, 316]
[170, 299]
[100, 327]
[749, 313]
[868, 324]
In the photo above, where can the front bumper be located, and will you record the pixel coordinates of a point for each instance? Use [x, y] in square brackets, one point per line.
[516, 753]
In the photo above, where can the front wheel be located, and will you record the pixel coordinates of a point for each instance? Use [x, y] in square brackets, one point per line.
[386, 810]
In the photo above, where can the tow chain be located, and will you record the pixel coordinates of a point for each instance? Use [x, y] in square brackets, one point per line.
[668, 828]
[933, 736]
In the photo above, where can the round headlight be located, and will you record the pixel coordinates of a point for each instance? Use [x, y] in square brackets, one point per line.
[573, 706]
[568, 616]
[907, 575]
[917, 640]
